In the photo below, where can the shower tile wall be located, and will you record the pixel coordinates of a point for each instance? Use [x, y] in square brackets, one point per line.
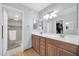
[17, 26]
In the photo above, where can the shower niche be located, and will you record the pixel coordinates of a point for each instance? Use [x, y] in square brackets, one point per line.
[12, 29]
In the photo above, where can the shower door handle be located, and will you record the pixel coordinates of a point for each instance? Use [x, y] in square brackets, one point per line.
[2, 31]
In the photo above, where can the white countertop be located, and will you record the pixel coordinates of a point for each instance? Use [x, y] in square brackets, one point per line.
[74, 39]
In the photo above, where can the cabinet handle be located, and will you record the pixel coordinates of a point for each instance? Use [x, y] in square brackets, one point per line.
[2, 31]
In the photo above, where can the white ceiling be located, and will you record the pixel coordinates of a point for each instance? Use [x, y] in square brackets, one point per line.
[14, 14]
[37, 6]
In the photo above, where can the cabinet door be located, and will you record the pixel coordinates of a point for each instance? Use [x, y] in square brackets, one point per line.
[42, 50]
[42, 46]
[35, 43]
[62, 52]
[50, 50]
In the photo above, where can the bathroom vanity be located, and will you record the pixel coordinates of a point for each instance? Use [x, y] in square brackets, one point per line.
[59, 32]
[50, 45]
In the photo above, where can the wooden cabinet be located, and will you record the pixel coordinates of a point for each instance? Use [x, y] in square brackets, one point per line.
[42, 46]
[62, 52]
[55, 51]
[50, 50]
[35, 43]
[42, 51]
[52, 47]
[59, 48]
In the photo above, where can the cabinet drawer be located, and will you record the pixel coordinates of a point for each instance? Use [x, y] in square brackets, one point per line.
[42, 41]
[50, 50]
[36, 43]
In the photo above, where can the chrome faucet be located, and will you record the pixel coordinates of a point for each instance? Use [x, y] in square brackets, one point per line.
[62, 35]
[41, 32]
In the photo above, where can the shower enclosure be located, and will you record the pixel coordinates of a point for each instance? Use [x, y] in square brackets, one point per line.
[12, 32]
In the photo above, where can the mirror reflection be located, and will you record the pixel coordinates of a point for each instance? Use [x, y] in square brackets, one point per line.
[60, 18]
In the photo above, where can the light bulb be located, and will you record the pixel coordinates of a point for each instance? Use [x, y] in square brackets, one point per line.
[46, 16]
[17, 16]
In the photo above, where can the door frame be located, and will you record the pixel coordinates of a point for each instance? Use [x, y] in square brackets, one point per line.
[5, 6]
[1, 31]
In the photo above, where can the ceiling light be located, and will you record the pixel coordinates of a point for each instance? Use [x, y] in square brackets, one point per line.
[17, 16]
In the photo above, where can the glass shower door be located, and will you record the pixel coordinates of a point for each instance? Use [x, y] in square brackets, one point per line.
[12, 36]
[5, 30]
[1, 30]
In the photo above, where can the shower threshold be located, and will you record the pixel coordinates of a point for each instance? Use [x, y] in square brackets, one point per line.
[13, 45]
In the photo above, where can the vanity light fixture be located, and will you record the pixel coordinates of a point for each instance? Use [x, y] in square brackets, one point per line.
[46, 16]
[53, 14]
[50, 16]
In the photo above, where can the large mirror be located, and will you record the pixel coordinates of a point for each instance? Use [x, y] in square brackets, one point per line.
[61, 18]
